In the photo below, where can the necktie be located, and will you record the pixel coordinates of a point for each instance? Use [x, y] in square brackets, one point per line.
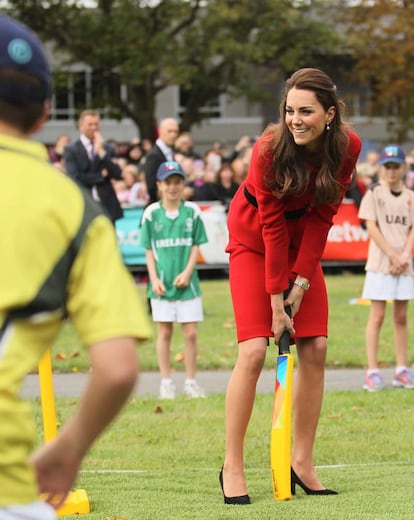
[91, 151]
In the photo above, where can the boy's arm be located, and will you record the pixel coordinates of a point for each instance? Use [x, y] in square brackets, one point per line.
[183, 278]
[157, 285]
[114, 364]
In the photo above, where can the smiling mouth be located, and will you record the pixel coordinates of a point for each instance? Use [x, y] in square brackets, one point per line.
[300, 130]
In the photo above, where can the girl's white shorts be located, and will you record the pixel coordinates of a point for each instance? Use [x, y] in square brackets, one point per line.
[179, 311]
[380, 286]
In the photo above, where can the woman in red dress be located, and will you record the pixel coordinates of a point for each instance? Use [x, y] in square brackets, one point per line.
[278, 225]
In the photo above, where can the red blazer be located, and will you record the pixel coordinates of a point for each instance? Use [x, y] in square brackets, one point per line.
[265, 228]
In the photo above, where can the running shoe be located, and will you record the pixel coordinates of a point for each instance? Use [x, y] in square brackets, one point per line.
[167, 390]
[404, 379]
[193, 390]
[373, 382]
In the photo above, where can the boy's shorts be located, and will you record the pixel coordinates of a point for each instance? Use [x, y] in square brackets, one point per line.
[382, 287]
[34, 511]
[179, 311]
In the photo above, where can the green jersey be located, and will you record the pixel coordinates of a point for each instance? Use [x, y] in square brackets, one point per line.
[171, 238]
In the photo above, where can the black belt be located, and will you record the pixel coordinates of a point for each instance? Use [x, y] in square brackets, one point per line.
[295, 213]
[250, 198]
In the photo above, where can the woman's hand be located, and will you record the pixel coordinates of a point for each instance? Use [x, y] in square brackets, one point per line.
[294, 299]
[281, 321]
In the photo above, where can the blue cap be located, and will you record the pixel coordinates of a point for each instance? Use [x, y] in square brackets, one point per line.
[21, 49]
[392, 154]
[169, 168]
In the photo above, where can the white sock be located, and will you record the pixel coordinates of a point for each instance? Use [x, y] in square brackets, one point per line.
[400, 369]
[166, 381]
[190, 382]
[373, 371]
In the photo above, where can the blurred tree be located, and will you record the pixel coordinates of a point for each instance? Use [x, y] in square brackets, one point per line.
[381, 37]
[207, 47]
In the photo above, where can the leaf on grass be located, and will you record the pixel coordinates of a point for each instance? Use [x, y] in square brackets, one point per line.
[61, 355]
[228, 325]
[179, 356]
[335, 416]
[74, 354]
[158, 409]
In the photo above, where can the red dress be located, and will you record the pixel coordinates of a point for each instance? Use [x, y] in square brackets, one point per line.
[264, 232]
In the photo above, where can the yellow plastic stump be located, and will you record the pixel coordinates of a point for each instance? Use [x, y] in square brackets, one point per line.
[77, 502]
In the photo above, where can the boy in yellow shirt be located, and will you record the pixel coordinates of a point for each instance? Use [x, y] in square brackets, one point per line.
[59, 256]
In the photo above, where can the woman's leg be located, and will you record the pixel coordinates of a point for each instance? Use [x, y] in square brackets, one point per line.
[240, 395]
[307, 403]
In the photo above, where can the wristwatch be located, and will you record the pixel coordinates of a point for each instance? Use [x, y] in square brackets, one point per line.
[302, 283]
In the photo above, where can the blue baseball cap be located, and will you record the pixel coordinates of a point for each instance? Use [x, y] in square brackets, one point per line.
[21, 49]
[392, 154]
[169, 168]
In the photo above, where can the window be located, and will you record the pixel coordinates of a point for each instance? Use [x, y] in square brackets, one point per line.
[75, 90]
[212, 104]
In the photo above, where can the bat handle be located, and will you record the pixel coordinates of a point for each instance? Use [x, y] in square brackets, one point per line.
[284, 340]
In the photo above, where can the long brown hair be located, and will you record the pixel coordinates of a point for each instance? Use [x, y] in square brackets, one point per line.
[287, 173]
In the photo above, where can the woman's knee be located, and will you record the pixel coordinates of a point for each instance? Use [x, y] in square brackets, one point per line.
[252, 354]
[312, 350]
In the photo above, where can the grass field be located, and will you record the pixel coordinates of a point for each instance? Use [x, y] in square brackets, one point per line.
[217, 337]
[160, 460]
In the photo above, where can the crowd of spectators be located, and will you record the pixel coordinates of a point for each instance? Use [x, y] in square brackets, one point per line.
[213, 175]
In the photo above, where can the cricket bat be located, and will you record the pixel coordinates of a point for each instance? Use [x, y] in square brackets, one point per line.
[280, 437]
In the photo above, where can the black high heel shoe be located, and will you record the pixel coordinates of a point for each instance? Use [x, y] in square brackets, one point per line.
[294, 479]
[242, 500]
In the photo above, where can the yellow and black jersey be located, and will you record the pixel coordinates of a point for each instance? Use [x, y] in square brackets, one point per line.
[59, 256]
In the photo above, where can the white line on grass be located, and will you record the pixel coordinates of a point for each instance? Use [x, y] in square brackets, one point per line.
[333, 466]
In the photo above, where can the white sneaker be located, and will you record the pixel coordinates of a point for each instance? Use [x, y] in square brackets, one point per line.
[167, 390]
[193, 390]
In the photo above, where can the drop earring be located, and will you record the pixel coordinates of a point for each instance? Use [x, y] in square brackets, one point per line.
[327, 126]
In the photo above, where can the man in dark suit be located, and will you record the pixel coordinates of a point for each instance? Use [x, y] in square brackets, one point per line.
[89, 161]
[163, 150]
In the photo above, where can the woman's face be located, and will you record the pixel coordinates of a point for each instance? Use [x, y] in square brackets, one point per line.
[306, 118]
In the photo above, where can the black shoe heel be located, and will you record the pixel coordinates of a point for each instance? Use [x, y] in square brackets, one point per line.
[242, 500]
[294, 479]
